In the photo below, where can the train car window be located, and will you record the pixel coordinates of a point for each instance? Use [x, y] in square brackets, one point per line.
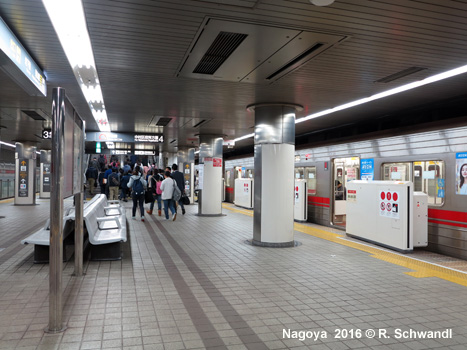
[310, 176]
[227, 178]
[427, 177]
[299, 173]
[397, 171]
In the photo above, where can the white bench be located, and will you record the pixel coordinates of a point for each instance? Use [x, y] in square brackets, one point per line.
[106, 227]
[41, 238]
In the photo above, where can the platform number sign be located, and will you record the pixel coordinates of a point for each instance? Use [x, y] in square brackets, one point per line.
[46, 133]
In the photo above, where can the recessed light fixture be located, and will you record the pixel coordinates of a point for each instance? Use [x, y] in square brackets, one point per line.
[321, 2]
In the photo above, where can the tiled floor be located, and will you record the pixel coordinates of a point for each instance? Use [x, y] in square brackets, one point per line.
[195, 284]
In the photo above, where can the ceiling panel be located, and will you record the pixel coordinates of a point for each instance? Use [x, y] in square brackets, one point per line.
[140, 45]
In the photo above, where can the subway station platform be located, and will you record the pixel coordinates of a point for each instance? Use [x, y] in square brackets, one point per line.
[194, 283]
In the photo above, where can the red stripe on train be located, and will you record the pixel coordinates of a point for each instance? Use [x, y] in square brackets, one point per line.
[229, 190]
[319, 205]
[447, 215]
[447, 223]
[322, 200]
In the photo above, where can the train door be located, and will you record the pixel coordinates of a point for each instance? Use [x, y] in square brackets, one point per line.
[344, 170]
[229, 189]
[426, 176]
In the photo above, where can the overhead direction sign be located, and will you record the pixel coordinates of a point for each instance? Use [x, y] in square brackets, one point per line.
[119, 137]
[12, 48]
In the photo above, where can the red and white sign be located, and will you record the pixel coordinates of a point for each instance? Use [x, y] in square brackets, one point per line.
[389, 204]
[217, 162]
[245, 188]
[352, 195]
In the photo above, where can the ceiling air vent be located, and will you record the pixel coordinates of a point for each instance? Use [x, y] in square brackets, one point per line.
[33, 114]
[163, 121]
[237, 51]
[295, 60]
[401, 74]
[222, 47]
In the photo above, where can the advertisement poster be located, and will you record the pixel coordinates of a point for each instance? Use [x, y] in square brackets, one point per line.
[461, 173]
[367, 167]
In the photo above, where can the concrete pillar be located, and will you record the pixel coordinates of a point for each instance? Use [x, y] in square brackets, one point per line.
[210, 175]
[273, 217]
[25, 175]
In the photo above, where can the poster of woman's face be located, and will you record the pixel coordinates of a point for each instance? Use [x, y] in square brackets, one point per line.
[461, 177]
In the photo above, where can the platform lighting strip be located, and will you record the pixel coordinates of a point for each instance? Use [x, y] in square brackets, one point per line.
[69, 22]
[406, 87]
[13, 146]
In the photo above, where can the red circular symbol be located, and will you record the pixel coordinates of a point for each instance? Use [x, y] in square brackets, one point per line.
[383, 196]
[394, 196]
[389, 206]
[388, 195]
[296, 188]
[383, 205]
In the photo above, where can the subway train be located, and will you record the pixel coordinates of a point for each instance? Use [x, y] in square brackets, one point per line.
[432, 160]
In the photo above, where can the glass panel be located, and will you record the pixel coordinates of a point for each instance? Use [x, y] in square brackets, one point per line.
[227, 177]
[299, 173]
[396, 171]
[310, 176]
[434, 182]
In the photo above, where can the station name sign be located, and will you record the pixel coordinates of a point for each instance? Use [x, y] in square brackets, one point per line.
[13, 49]
[119, 137]
[124, 152]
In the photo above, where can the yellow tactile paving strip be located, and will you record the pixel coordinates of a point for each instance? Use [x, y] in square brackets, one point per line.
[420, 268]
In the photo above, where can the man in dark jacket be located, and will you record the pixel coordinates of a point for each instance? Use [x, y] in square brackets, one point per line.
[179, 179]
[91, 177]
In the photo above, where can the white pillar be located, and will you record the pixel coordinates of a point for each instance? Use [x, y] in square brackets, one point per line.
[273, 218]
[210, 168]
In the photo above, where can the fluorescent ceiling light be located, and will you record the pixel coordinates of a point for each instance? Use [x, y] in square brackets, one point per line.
[7, 144]
[244, 137]
[69, 23]
[402, 88]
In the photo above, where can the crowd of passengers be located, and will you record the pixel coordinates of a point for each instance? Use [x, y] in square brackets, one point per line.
[141, 183]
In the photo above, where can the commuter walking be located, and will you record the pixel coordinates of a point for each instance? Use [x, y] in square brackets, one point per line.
[180, 180]
[91, 177]
[124, 186]
[114, 183]
[167, 188]
[155, 185]
[137, 185]
[102, 181]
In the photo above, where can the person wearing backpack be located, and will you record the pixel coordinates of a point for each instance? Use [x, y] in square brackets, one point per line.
[167, 188]
[114, 183]
[137, 184]
[124, 186]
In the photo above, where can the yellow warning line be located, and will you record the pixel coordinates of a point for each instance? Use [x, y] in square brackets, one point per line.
[7, 200]
[421, 268]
